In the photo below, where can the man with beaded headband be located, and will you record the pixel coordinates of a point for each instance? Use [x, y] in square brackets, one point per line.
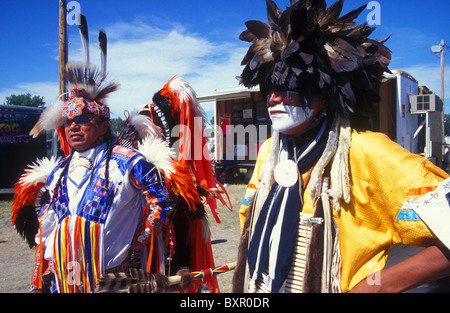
[328, 198]
[103, 208]
[124, 206]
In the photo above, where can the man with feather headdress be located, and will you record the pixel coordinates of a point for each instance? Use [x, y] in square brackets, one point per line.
[114, 205]
[328, 198]
[100, 208]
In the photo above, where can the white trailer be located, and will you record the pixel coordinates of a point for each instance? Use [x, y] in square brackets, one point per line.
[406, 123]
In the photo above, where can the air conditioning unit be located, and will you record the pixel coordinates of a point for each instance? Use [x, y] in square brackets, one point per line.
[425, 103]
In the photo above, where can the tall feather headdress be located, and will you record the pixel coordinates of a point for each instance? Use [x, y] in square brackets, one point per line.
[88, 90]
[309, 48]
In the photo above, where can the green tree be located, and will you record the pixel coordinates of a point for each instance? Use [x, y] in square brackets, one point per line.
[117, 125]
[447, 124]
[26, 100]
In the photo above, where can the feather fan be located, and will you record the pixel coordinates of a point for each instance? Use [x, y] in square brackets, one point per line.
[136, 281]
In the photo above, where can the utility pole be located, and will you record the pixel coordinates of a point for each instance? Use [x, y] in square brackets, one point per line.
[442, 90]
[442, 71]
[63, 56]
[441, 50]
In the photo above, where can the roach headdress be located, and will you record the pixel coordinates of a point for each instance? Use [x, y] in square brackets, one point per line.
[173, 123]
[168, 132]
[309, 48]
[175, 109]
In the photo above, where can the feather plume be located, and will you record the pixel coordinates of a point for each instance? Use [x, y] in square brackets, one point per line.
[50, 119]
[103, 45]
[186, 97]
[183, 100]
[84, 33]
[136, 281]
[88, 78]
[39, 171]
[157, 151]
[178, 178]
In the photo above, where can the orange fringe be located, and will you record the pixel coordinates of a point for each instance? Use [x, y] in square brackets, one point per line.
[189, 148]
[24, 195]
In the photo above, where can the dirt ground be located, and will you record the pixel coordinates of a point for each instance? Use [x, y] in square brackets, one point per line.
[16, 258]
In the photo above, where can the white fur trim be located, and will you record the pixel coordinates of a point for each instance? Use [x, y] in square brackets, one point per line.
[50, 119]
[39, 171]
[158, 152]
[144, 125]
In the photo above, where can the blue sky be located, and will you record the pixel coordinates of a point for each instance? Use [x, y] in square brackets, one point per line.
[151, 41]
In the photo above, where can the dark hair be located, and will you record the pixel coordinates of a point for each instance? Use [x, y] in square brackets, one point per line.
[164, 116]
[109, 138]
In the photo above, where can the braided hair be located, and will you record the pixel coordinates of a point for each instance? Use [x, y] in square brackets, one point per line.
[109, 138]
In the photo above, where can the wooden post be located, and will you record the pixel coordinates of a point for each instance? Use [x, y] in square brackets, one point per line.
[442, 70]
[443, 92]
[63, 57]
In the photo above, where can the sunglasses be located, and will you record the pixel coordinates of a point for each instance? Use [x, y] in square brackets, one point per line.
[81, 120]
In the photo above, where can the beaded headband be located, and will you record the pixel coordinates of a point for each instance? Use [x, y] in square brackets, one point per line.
[79, 104]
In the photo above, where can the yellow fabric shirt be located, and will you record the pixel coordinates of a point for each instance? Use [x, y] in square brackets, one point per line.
[383, 175]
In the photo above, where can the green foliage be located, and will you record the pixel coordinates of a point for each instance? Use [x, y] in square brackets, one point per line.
[447, 124]
[117, 125]
[26, 100]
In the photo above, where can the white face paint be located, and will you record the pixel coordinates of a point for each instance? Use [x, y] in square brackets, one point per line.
[288, 113]
[288, 117]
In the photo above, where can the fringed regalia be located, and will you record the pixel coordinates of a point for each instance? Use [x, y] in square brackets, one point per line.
[177, 121]
[126, 206]
[345, 199]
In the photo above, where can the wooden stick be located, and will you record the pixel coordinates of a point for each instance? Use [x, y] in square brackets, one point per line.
[174, 280]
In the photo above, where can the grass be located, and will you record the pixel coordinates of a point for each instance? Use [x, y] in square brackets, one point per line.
[16, 258]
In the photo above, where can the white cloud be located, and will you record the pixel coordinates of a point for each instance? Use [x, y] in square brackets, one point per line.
[143, 58]
[48, 90]
[430, 76]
